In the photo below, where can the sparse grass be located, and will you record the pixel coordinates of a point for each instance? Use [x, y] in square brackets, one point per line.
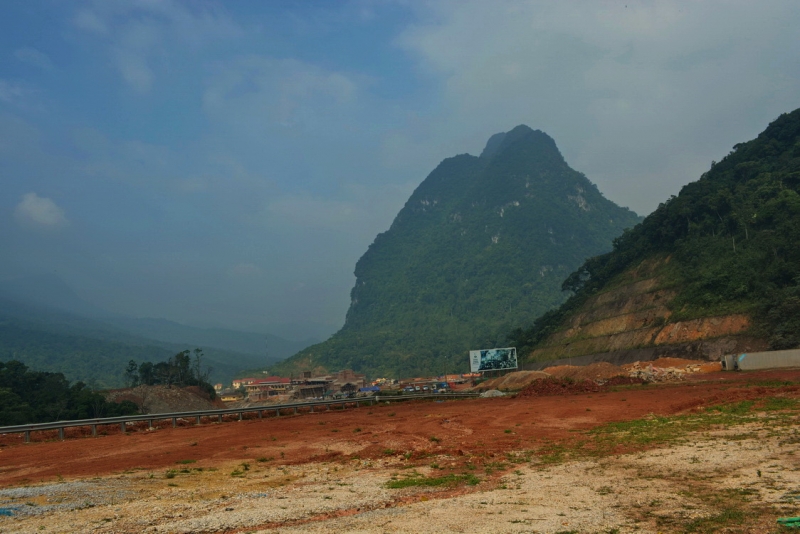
[656, 430]
[446, 480]
[553, 454]
[780, 403]
[726, 518]
[435, 439]
[265, 459]
[186, 461]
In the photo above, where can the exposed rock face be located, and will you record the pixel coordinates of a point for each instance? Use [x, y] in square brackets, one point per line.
[480, 247]
[632, 322]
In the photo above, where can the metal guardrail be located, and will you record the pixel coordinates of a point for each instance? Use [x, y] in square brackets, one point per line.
[219, 414]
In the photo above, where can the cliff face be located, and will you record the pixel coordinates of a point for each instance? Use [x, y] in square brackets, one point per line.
[479, 248]
[631, 321]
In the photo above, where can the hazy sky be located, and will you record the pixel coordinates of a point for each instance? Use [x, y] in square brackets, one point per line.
[228, 162]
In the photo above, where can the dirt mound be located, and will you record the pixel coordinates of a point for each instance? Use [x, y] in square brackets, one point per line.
[568, 386]
[670, 369]
[512, 381]
[163, 399]
[555, 386]
[595, 371]
[621, 381]
[675, 362]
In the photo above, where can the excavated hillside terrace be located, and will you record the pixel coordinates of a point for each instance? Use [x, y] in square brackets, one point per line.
[632, 321]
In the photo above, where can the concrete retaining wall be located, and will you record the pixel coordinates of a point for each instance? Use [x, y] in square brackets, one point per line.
[767, 360]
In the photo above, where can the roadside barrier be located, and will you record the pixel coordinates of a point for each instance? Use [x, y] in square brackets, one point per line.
[197, 416]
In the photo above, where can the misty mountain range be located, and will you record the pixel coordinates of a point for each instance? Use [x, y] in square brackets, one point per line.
[43, 307]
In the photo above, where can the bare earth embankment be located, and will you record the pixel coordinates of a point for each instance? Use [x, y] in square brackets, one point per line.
[713, 453]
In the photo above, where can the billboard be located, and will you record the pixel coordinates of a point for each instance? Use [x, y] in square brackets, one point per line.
[492, 359]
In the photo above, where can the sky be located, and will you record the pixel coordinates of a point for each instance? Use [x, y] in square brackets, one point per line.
[227, 163]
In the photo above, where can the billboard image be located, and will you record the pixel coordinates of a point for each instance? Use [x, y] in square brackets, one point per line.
[492, 359]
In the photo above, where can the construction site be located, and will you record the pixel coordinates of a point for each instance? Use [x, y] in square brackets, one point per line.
[665, 446]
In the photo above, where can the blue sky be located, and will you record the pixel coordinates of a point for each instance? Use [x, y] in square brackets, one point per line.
[226, 163]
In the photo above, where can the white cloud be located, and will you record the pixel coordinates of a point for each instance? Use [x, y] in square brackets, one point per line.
[11, 92]
[39, 212]
[34, 57]
[89, 21]
[287, 92]
[634, 92]
[143, 36]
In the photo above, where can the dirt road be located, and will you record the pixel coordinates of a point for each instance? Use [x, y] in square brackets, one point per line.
[334, 466]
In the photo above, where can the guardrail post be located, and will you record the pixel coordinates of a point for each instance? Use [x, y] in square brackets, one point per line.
[27, 436]
[174, 422]
[61, 433]
[150, 424]
[219, 418]
[277, 412]
[295, 409]
[122, 427]
[198, 419]
[240, 416]
[260, 414]
[312, 409]
[94, 431]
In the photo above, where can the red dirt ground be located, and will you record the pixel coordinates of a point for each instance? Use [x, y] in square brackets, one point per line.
[473, 427]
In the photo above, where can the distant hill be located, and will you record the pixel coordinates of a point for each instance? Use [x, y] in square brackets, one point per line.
[480, 247]
[712, 271]
[47, 290]
[97, 349]
[263, 347]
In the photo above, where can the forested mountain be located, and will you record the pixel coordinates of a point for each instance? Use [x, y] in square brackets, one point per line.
[46, 300]
[96, 351]
[480, 247]
[725, 248]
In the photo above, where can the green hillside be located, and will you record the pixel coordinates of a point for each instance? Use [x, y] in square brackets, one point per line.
[97, 352]
[480, 247]
[731, 238]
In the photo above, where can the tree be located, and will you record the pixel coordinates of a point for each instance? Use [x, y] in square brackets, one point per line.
[146, 374]
[132, 374]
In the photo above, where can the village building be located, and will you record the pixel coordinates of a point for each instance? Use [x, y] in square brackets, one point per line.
[271, 386]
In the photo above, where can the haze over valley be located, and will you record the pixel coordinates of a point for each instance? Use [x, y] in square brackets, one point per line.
[180, 175]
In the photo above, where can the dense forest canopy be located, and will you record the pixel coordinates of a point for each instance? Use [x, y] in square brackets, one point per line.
[481, 246]
[732, 238]
[38, 397]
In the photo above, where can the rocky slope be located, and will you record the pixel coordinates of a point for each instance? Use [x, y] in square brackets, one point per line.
[481, 247]
[713, 271]
[632, 321]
